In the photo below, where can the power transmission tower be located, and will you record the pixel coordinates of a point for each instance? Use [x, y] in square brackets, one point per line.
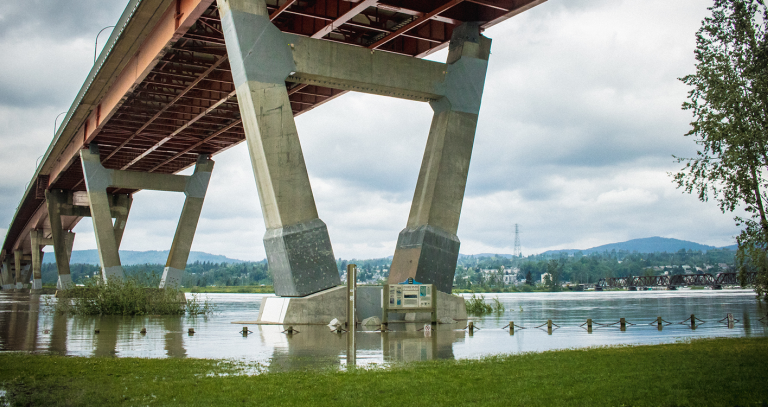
[518, 250]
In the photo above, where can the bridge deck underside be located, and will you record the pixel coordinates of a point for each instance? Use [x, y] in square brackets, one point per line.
[187, 106]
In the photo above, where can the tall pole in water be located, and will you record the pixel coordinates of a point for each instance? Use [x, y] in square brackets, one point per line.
[351, 299]
[518, 251]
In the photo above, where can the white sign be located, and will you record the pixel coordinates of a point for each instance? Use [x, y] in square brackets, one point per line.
[410, 296]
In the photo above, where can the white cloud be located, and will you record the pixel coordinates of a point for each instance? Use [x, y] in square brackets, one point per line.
[580, 117]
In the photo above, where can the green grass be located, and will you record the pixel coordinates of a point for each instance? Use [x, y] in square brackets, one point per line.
[241, 289]
[718, 372]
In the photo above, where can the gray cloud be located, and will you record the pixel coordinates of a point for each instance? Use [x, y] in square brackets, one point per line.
[60, 19]
[580, 117]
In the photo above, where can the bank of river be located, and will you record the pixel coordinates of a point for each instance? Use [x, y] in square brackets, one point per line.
[711, 372]
[26, 324]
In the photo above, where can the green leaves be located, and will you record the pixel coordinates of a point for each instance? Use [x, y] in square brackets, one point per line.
[729, 103]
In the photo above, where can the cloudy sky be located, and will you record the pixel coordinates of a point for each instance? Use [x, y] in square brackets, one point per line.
[580, 119]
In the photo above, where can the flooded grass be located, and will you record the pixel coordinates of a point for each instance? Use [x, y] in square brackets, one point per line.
[700, 372]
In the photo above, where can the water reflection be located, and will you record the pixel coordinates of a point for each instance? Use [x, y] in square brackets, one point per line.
[27, 323]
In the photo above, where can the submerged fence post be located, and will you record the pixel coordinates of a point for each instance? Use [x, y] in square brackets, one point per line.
[589, 325]
[511, 327]
[471, 327]
[693, 321]
[623, 323]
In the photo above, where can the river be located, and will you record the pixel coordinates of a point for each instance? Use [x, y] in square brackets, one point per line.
[27, 323]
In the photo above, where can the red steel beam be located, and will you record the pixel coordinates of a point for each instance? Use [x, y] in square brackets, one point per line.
[359, 8]
[415, 23]
[179, 130]
[280, 10]
[176, 99]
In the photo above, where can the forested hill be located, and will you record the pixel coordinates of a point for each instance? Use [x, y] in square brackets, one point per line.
[645, 245]
[129, 257]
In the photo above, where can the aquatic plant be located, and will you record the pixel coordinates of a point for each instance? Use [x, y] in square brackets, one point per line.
[131, 296]
[477, 305]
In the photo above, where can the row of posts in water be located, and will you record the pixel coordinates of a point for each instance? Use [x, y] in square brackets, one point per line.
[550, 326]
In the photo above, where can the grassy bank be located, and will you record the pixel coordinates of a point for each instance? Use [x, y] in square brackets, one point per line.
[703, 372]
[240, 289]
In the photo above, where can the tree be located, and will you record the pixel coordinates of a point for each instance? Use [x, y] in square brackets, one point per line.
[729, 103]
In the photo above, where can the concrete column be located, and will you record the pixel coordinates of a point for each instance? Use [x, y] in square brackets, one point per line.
[17, 255]
[428, 248]
[97, 179]
[36, 237]
[185, 230]
[297, 242]
[62, 242]
[7, 279]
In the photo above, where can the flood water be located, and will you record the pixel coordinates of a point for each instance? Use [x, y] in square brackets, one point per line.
[27, 323]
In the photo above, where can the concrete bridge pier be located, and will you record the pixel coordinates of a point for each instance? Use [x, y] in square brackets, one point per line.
[58, 202]
[6, 277]
[185, 230]
[297, 243]
[21, 270]
[104, 206]
[428, 248]
[37, 244]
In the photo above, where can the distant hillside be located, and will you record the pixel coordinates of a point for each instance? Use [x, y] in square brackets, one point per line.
[129, 257]
[645, 245]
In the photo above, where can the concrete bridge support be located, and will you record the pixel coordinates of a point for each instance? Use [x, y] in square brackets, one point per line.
[17, 257]
[297, 243]
[104, 206]
[60, 203]
[6, 278]
[37, 244]
[185, 230]
[428, 248]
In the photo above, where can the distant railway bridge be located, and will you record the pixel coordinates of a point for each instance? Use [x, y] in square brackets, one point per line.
[703, 279]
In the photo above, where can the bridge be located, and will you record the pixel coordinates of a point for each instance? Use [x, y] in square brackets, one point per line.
[180, 81]
[702, 279]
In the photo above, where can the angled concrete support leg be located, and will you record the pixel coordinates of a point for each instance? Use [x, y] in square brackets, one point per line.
[428, 248]
[36, 238]
[297, 242]
[97, 179]
[121, 207]
[62, 240]
[185, 231]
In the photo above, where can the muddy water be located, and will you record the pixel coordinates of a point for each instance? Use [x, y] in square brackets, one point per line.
[27, 323]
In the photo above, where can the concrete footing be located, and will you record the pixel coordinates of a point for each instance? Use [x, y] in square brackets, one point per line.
[301, 259]
[320, 308]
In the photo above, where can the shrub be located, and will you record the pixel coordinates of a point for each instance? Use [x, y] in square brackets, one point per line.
[477, 306]
[129, 296]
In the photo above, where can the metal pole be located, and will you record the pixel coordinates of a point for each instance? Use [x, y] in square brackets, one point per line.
[351, 294]
[351, 325]
[96, 44]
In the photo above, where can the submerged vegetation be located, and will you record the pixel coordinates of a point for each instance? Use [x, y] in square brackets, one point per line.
[478, 306]
[134, 295]
[723, 372]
